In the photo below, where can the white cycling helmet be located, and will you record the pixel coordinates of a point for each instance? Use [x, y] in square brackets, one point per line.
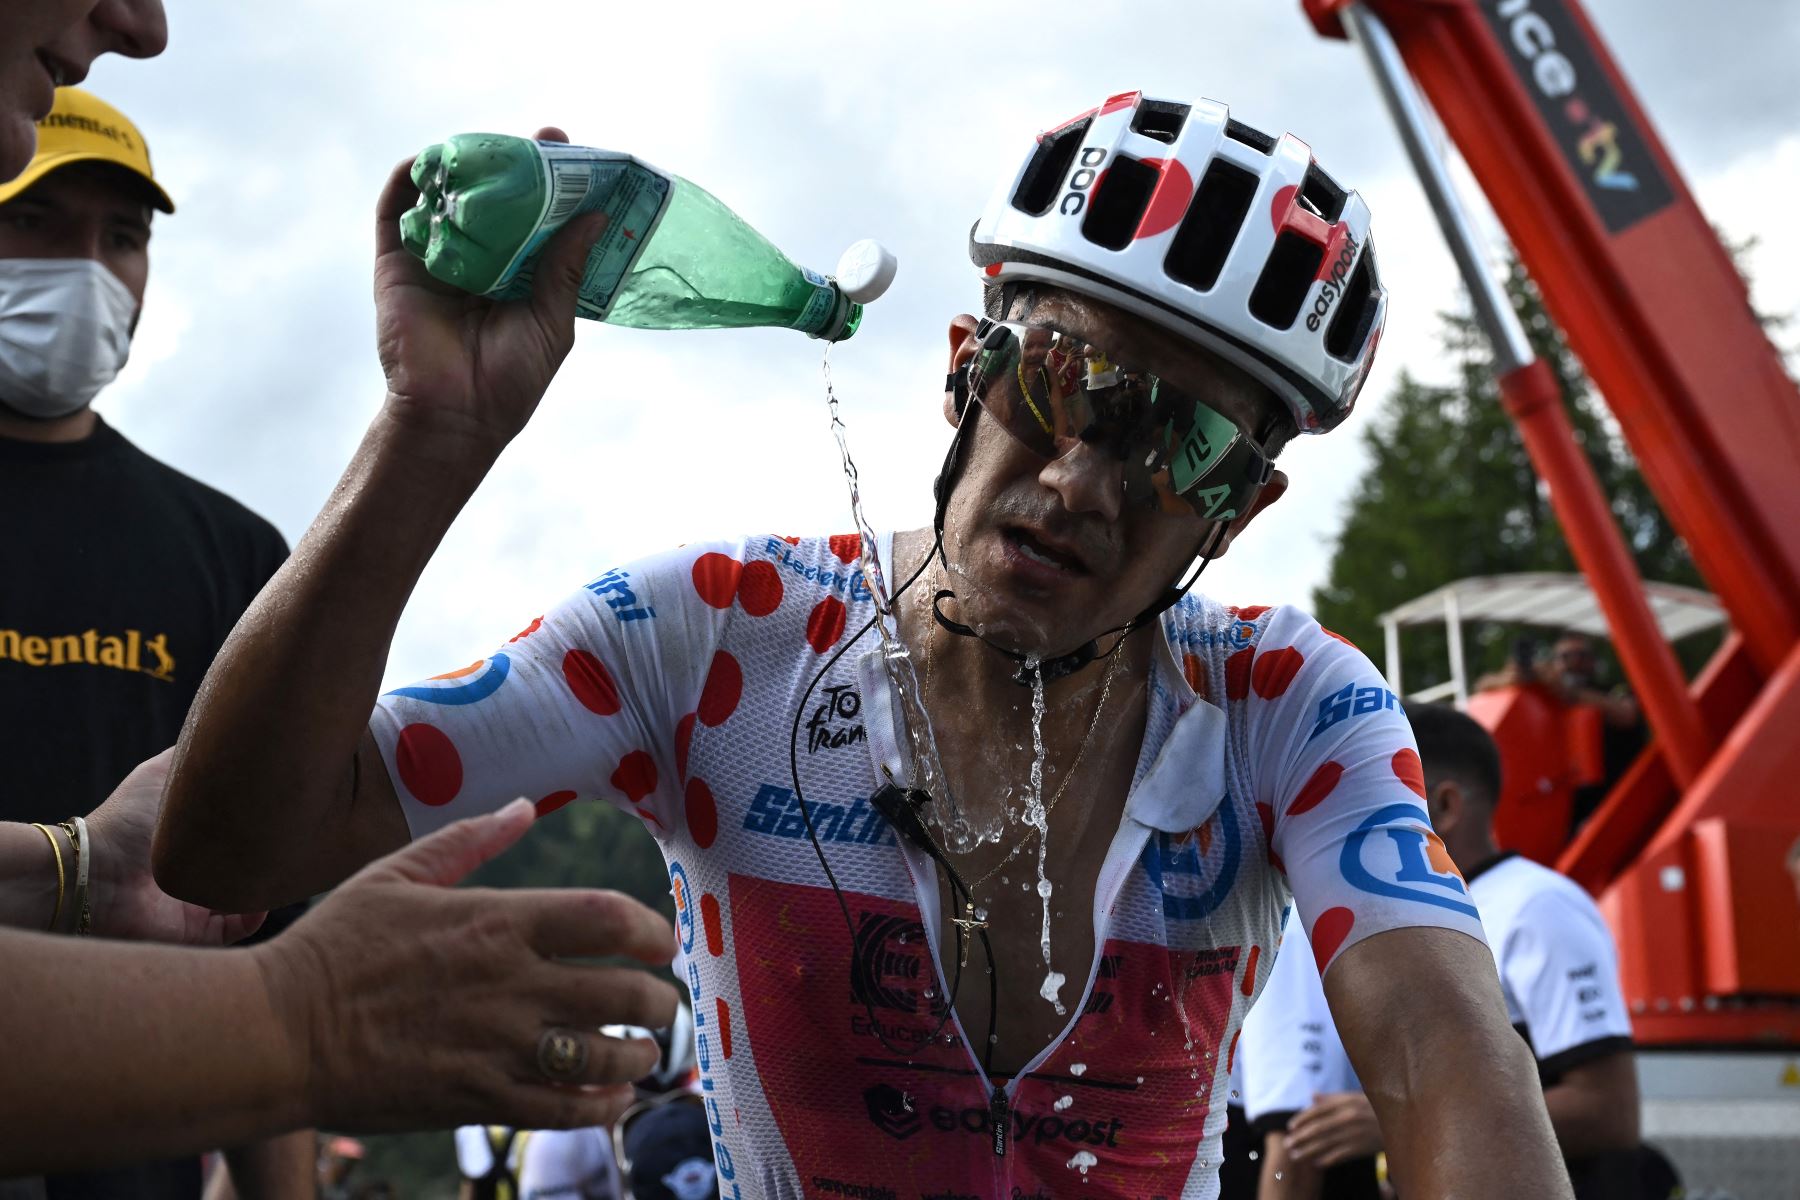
[1229, 237]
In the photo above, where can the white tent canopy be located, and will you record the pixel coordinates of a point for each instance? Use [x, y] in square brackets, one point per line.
[1544, 598]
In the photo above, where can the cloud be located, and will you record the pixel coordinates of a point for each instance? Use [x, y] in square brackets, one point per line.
[825, 123]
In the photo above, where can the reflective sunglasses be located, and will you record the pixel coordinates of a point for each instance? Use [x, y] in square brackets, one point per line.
[1053, 392]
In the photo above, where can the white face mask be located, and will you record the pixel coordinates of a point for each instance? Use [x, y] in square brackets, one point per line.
[65, 332]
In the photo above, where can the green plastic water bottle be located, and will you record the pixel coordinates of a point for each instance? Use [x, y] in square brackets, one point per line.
[672, 256]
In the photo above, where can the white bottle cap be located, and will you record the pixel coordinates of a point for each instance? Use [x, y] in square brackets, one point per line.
[866, 270]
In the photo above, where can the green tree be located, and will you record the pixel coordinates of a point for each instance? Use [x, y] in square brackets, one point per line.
[1450, 492]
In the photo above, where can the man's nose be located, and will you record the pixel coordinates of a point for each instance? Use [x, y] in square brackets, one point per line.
[1087, 479]
[134, 28]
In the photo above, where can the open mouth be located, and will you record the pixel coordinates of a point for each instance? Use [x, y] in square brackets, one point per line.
[1034, 549]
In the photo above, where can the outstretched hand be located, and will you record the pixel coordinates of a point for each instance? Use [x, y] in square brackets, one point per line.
[415, 1004]
[461, 364]
[123, 896]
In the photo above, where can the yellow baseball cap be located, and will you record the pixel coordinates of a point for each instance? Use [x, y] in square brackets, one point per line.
[84, 128]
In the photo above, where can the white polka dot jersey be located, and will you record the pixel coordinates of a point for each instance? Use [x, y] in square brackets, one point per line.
[1273, 759]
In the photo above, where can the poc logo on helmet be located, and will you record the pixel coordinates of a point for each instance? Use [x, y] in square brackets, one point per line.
[1081, 183]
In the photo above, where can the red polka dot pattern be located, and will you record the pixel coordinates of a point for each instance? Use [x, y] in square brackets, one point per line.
[1316, 788]
[1248, 614]
[1231, 1054]
[1329, 932]
[759, 591]
[1237, 674]
[553, 801]
[1206, 839]
[993, 269]
[792, 541]
[713, 923]
[1249, 984]
[429, 765]
[826, 624]
[702, 814]
[723, 1011]
[1340, 637]
[1409, 770]
[847, 546]
[635, 776]
[536, 624]
[1275, 670]
[591, 682]
[723, 689]
[1170, 199]
[716, 578]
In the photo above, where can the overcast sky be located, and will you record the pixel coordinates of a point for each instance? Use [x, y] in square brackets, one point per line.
[274, 126]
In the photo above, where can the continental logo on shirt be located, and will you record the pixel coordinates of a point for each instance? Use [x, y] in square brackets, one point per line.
[130, 652]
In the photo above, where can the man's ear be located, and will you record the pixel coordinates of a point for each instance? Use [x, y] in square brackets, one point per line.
[1270, 493]
[1446, 805]
[962, 349]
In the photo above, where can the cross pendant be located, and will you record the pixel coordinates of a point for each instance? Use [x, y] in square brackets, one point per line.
[968, 923]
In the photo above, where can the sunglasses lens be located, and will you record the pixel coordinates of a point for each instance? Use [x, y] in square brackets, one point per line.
[1051, 393]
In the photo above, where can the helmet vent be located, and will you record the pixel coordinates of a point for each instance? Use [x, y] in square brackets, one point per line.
[1237, 131]
[1356, 312]
[1159, 119]
[1292, 267]
[1211, 225]
[1117, 203]
[1048, 167]
[1321, 194]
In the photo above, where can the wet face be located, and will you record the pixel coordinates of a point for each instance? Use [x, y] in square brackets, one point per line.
[85, 210]
[1048, 555]
[44, 43]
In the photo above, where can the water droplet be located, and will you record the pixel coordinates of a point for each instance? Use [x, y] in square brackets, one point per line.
[1140, 1079]
[1082, 1161]
[1078, 1069]
[1043, 888]
[1063, 1103]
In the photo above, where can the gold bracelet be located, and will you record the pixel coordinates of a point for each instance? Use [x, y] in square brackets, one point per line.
[61, 881]
[76, 828]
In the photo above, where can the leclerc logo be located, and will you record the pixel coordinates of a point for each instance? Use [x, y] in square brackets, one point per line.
[1584, 115]
[1399, 863]
[892, 1111]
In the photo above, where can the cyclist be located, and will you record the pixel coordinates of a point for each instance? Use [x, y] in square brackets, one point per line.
[898, 988]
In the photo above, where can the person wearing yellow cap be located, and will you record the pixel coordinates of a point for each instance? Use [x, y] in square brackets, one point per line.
[123, 575]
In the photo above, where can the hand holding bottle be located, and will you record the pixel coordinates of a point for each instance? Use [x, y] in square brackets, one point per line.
[460, 366]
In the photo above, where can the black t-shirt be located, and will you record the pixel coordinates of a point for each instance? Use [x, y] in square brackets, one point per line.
[119, 579]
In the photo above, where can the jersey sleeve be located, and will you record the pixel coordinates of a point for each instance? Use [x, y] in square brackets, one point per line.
[567, 1164]
[1559, 965]
[586, 702]
[1341, 792]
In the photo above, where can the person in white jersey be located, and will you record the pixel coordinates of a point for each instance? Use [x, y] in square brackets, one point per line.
[1170, 294]
[1291, 1057]
[1558, 971]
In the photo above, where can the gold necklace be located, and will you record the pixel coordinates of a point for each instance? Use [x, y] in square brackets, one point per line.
[968, 923]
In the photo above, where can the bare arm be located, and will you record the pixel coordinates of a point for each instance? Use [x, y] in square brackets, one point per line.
[278, 1168]
[1454, 1087]
[400, 1002]
[1285, 1177]
[278, 790]
[1594, 1107]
